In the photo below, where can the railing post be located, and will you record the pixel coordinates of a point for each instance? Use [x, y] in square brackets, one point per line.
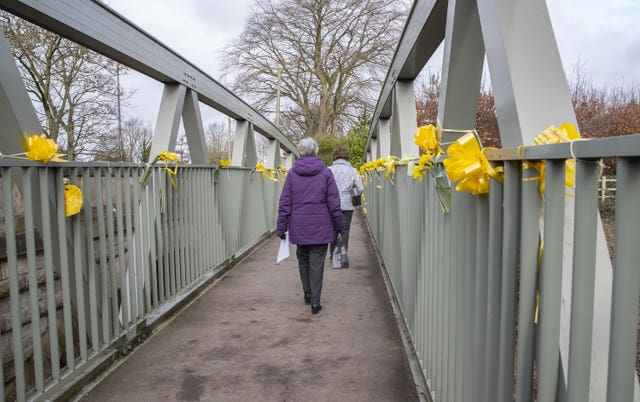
[273, 154]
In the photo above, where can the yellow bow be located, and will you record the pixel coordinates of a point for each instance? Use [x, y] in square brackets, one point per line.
[169, 157]
[468, 165]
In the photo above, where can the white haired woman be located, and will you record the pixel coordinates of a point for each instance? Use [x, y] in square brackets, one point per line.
[309, 209]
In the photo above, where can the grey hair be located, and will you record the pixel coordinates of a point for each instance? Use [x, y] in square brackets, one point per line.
[308, 147]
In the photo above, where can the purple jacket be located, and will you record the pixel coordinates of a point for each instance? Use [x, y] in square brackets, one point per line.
[309, 204]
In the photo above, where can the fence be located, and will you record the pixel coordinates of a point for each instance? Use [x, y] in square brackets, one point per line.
[76, 286]
[607, 188]
[483, 299]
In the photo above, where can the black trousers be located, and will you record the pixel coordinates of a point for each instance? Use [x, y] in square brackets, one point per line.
[346, 215]
[311, 265]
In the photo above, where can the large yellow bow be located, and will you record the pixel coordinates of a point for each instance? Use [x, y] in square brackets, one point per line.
[468, 165]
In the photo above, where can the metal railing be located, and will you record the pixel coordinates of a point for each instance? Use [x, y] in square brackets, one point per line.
[468, 281]
[81, 284]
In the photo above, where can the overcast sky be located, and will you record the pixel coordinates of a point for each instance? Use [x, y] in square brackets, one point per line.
[602, 35]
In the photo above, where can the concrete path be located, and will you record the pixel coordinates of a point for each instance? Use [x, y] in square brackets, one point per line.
[251, 338]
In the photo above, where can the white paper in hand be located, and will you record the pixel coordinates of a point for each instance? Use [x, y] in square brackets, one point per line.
[284, 251]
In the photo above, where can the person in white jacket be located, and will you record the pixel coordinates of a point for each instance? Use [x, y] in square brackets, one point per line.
[349, 184]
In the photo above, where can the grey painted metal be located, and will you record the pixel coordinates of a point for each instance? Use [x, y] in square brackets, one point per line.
[494, 279]
[481, 267]
[166, 128]
[14, 290]
[120, 218]
[65, 274]
[593, 148]
[192, 120]
[29, 227]
[403, 125]
[626, 284]
[529, 249]
[129, 273]
[45, 178]
[244, 146]
[584, 271]
[16, 111]
[273, 154]
[90, 263]
[375, 152]
[526, 103]
[80, 252]
[423, 33]
[384, 138]
[102, 243]
[461, 70]
[550, 282]
[511, 228]
[113, 296]
[94, 25]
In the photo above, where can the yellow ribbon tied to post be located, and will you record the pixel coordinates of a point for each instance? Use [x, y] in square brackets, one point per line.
[468, 165]
[554, 135]
[166, 157]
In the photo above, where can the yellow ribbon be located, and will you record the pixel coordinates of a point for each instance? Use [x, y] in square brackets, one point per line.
[269, 173]
[167, 157]
[39, 148]
[468, 164]
[426, 138]
[552, 135]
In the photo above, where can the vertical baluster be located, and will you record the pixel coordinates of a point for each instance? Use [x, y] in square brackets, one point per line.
[157, 240]
[122, 256]
[79, 253]
[169, 240]
[551, 282]
[87, 200]
[511, 226]
[65, 275]
[150, 257]
[130, 272]
[34, 306]
[47, 242]
[111, 234]
[481, 268]
[104, 289]
[139, 229]
[626, 283]
[584, 266]
[494, 279]
[14, 289]
[469, 275]
[529, 248]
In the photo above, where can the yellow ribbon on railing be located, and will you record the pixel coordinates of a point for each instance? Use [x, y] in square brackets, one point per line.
[426, 138]
[269, 173]
[468, 164]
[553, 135]
[167, 157]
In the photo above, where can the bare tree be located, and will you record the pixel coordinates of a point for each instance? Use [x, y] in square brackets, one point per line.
[132, 143]
[333, 54]
[217, 137]
[75, 90]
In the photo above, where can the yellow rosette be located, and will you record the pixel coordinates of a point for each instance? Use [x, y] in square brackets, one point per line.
[40, 148]
[468, 165]
[426, 138]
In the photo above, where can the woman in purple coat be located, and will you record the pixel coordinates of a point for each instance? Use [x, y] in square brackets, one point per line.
[310, 210]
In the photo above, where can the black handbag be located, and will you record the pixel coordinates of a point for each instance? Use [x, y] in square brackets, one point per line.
[356, 200]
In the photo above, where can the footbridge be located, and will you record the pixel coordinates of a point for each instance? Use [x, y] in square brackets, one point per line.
[477, 274]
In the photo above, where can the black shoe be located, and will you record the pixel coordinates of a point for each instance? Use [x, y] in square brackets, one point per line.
[315, 308]
[307, 298]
